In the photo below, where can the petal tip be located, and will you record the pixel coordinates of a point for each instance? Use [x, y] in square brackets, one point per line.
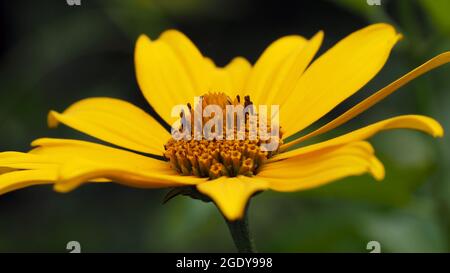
[376, 169]
[52, 119]
[439, 134]
[383, 25]
[387, 29]
[142, 38]
[233, 217]
[38, 142]
[62, 188]
[436, 129]
[169, 32]
[141, 43]
[320, 34]
[230, 195]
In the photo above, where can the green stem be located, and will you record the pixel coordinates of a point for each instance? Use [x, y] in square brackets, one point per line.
[241, 236]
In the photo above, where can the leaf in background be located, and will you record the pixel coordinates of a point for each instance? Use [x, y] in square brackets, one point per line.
[413, 228]
[135, 17]
[395, 190]
[438, 11]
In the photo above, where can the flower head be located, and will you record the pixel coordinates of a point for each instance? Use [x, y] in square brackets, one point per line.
[171, 71]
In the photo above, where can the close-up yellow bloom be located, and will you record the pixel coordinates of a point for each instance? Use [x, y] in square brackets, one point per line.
[139, 151]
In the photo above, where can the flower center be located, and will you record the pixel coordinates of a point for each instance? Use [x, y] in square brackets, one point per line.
[243, 155]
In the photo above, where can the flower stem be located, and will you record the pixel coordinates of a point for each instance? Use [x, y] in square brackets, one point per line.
[241, 236]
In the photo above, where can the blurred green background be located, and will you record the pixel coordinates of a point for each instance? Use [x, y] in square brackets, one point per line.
[52, 55]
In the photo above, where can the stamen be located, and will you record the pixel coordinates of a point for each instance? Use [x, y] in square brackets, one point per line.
[216, 158]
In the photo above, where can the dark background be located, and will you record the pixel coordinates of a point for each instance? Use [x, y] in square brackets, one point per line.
[52, 55]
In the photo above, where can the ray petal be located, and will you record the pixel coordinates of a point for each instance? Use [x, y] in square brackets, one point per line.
[165, 78]
[16, 180]
[322, 166]
[238, 69]
[435, 62]
[76, 162]
[114, 121]
[189, 55]
[416, 122]
[232, 194]
[339, 73]
[268, 65]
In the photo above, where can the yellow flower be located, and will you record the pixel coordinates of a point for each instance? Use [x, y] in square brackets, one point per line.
[171, 71]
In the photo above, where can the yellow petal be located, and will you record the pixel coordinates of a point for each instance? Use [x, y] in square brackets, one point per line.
[60, 150]
[416, 122]
[229, 79]
[163, 77]
[114, 121]
[268, 64]
[19, 170]
[17, 160]
[232, 194]
[15, 180]
[321, 167]
[338, 74]
[209, 63]
[281, 87]
[57, 156]
[221, 81]
[189, 55]
[64, 150]
[238, 69]
[81, 161]
[376, 97]
[77, 171]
